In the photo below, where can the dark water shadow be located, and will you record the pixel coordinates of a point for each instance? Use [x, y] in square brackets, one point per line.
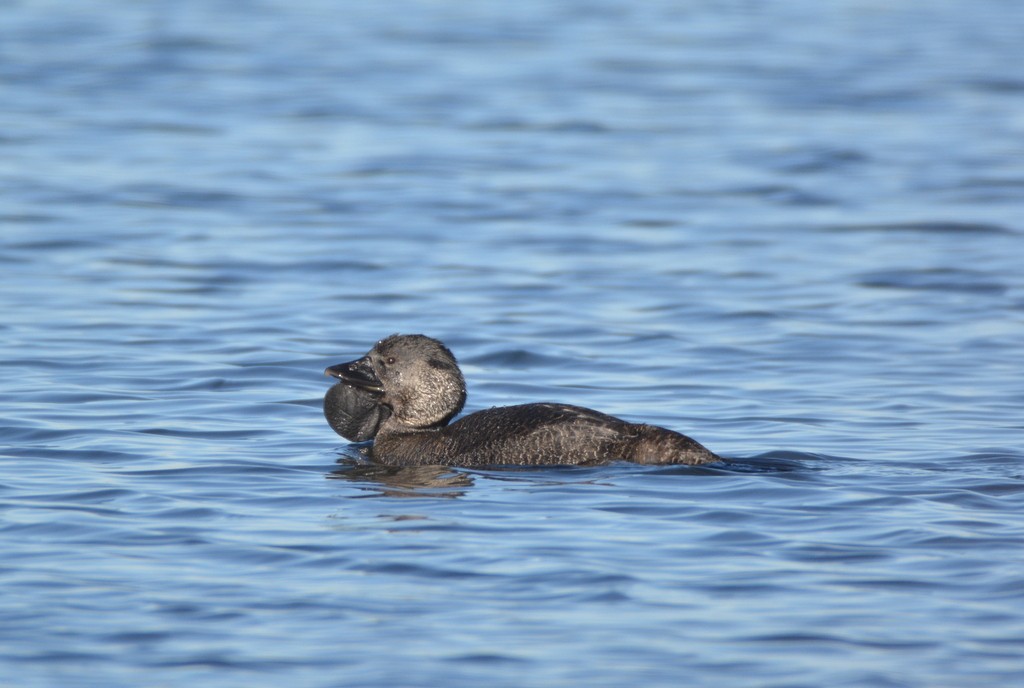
[776, 462]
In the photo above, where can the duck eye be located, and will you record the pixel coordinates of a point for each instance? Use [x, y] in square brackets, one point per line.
[391, 360]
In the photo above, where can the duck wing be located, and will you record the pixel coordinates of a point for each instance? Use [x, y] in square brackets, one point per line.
[535, 434]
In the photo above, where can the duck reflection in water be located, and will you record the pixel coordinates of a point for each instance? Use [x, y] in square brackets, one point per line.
[406, 481]
[406, 390]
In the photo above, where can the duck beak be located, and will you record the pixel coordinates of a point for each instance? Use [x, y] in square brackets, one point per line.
[357, 374]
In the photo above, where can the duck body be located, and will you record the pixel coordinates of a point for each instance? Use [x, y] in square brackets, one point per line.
[535, 435]
[405, 391]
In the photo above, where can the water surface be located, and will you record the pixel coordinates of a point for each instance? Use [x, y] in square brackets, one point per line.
[793, 233]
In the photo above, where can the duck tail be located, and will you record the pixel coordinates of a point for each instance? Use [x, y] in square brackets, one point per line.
[660, 446]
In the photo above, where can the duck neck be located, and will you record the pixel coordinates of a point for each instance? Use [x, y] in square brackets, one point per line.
[404, 445]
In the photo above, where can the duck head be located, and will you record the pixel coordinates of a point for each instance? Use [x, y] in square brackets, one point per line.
[412, 379]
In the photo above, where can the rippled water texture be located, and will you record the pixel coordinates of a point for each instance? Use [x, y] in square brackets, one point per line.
[792, 230]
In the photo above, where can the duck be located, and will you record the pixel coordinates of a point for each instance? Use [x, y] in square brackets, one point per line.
[404, 393]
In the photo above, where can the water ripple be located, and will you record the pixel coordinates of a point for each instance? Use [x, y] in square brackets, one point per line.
[748, 222]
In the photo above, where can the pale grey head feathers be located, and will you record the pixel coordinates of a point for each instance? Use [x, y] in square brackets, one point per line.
[420, 378]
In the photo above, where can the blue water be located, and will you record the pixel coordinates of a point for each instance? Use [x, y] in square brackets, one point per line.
[792, 230]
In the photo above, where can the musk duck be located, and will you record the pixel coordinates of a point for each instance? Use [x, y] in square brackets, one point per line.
[404, 393]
